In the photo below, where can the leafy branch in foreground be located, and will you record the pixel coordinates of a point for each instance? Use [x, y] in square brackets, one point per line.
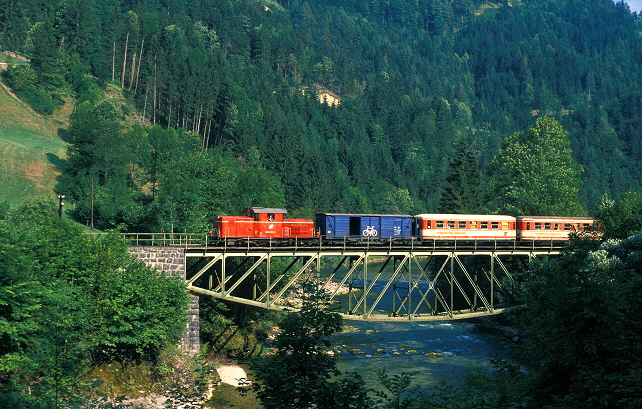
[302, 373]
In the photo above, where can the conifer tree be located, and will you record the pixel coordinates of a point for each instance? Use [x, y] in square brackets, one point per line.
[462, 193]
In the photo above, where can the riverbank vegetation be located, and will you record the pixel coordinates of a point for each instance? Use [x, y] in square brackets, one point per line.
[70, 301]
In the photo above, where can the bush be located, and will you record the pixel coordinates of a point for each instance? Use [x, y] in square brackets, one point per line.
[20, 77]
[39, 99]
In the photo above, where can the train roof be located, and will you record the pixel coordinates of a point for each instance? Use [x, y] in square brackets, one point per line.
[266, 210]
[446, 216]
[363, 214]
[571, 218]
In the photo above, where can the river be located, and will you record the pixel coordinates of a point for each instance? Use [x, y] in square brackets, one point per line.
[431, 351]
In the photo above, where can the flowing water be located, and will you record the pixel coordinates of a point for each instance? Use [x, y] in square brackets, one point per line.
[431, 351]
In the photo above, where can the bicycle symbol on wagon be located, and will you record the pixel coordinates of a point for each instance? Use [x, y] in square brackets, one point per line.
[370, 232]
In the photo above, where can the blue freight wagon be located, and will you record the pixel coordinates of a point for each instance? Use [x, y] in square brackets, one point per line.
[364, 226]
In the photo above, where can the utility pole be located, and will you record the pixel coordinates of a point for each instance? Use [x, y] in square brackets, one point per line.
[60, 205]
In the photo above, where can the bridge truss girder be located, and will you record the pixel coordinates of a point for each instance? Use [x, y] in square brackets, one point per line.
[366, 284]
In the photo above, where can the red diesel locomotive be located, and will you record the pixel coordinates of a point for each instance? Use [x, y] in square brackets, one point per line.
[263, 223]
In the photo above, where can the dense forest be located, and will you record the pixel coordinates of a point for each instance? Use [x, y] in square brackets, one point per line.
[187, 109]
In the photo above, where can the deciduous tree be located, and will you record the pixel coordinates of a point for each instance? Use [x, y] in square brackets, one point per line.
[621, 218]
[67, 299]
[534, 173]
[582, 324]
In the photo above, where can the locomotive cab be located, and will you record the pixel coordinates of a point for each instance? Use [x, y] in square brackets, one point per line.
[264, 214]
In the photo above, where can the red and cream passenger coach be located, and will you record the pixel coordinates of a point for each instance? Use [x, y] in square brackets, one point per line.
[551, 228]
[465, 227]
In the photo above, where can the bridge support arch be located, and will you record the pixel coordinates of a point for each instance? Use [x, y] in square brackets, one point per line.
[365, 283]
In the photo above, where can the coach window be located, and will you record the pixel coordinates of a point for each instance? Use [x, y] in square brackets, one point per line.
[494, 225]
[440, 224]
[451, 224]
[505, 226]
[567, 226]
[473, 225]
[484, 225]
[557, 226]
[585, 226]
[538, 226]
[462, 224]
[547, 226]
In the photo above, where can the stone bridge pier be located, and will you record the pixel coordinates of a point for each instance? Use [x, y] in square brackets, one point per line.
[171, 260]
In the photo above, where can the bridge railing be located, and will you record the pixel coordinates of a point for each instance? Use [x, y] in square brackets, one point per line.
[166, 239]
[205, 240]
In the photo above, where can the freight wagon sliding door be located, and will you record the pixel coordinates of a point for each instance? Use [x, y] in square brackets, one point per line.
[355, 226]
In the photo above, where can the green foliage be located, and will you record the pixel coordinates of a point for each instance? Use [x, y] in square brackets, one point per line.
[535, 174]
[141, 310]
[39, 99]
[20, 77]
[413, 78]
[621, 218]
[462, 193]
[301, 373]
[400, 394]
[582, 347]
[502, 388]
[67, 299]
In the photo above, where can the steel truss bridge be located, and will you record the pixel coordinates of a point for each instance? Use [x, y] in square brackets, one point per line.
[368, 282]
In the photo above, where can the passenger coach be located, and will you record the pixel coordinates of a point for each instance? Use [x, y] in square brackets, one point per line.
[551, 228]
[465, 227]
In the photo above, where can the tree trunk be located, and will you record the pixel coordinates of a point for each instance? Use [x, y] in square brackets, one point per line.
[113, 63]
[140, 58]
[154, 105]
[131, 77]
[122, 77]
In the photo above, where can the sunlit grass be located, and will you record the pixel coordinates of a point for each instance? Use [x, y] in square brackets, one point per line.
[32, 152]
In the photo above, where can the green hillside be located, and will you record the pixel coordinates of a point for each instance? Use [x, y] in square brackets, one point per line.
[31, 151]
[188, 110]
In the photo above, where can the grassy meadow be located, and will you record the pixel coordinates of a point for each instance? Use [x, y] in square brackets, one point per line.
[31, 149]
